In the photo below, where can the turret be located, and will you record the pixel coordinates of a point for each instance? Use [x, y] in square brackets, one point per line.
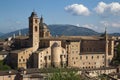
[105, 34]
[41, 20]
[106, 47]
[56, 52]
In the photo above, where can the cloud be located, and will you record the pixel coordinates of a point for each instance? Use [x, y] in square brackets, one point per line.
[112, 8]
[105, 23]
[77, 9]
[78, 25]
[90, 26]
[117, 25]
[110, 24]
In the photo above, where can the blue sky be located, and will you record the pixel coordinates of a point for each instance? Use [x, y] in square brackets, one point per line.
[93, 14]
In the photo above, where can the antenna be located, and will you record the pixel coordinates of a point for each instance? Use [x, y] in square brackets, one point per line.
[105, 30]
[41, 19]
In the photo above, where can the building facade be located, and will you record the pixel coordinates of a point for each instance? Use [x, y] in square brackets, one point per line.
[40, 49]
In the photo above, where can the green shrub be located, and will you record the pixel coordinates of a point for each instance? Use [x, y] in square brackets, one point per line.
[3, 66]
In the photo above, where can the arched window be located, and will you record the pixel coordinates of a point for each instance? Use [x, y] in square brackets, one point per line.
[36, 21]
[92, 57]
[35, 28]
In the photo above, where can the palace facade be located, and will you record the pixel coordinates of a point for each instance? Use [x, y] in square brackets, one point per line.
[41, 50]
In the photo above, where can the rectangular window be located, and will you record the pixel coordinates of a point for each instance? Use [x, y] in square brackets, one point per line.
[83, 63]
[86, 57]
[97, 57]
[19, 60]
[35, 28]
[23, 60]
[102, 56]
[49, 57]
[92, 57]
[76, 51]
[74, 62]
[29, 55]
[95, 63]
[72, 57]
[45, 57]
[67, 51]
[60, 56]
[36, 21]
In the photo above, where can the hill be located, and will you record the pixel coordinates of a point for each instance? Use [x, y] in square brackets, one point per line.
[68, 30]
[1, 33]
[23, 31]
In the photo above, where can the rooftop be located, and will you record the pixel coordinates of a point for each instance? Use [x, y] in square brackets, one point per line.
[21, 37]
[4, 52]
[73, 38]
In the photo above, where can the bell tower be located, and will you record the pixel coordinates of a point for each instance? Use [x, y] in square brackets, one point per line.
[34, 30]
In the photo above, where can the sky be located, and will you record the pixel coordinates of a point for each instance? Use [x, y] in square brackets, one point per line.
[93, 14]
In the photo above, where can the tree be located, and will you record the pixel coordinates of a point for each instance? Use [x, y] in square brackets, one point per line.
[3, 66]
[103, 77]
[116, 59]
[69, 75]
[118, 52]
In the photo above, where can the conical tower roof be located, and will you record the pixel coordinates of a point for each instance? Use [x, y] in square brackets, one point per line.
[33, 14]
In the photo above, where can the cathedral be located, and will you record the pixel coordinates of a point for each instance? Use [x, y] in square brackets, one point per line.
[41, 50]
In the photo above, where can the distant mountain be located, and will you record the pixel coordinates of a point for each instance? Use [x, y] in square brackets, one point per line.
[115, 34]
[68, 30]
[23, 31]
[1, 33]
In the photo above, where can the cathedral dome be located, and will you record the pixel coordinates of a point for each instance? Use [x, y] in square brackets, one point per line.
[45, 26]
[44, 31]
